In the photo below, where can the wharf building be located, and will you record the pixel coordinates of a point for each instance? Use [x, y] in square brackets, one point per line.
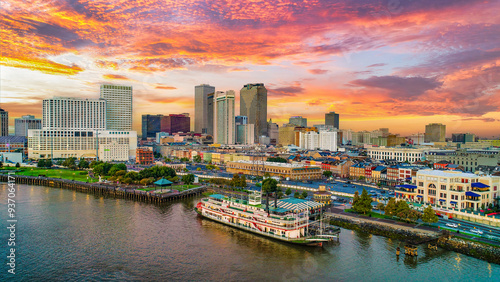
[282, 170]
[451, 189]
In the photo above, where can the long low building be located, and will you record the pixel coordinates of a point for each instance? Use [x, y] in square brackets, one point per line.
[109, 145]
[400, 154]
[282, 170]
[451, 189]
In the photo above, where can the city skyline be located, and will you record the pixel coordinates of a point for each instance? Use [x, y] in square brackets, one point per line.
[398, 64]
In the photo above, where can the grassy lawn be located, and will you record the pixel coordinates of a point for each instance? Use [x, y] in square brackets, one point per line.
[56, 173]
[148, 189]
[182, 187]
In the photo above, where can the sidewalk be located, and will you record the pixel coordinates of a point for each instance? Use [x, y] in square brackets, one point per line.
[387, 222]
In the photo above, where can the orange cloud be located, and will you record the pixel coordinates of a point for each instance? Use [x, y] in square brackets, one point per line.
[115, 76]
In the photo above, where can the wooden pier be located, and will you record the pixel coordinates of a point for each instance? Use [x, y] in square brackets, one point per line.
[105, 189]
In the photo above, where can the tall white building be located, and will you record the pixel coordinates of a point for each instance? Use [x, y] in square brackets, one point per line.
[74, 113]
[74, 127]
[309, 140]
[323, 140]
[26, 122]
[328, 140]
[224, 125]
[118, 106]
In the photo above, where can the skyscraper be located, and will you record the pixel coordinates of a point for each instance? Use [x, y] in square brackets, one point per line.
[26, 122]
[118, 106]
[298, 121]
[273, 131]
[204, 109]
[332, 119]
[74, 113]
[224, 129]
[4, 123]
[151, 124]
[435, 132]
[176, 123]
[253, 104]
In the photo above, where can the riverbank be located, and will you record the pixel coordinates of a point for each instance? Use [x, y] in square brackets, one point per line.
[105, 189]
[413, 234]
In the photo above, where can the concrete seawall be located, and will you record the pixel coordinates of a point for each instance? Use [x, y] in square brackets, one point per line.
[409, 234]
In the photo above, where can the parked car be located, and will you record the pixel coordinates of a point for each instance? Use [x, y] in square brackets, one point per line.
[453, 225]
[477, 231]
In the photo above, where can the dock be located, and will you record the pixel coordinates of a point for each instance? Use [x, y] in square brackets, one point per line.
[104, 189]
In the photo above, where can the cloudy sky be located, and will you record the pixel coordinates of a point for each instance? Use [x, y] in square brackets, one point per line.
[394, 63]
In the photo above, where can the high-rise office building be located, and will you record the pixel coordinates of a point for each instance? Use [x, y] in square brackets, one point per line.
[204, 109]
[118, 106]
[332, 118]
[273, 132]
[435, 132]
[463, 137]
[26, 122]
[151, 124]
[245, 134]
[224, 122]
[4, 123]
[176, 123]
[240, 120]
[253, 104]
[74, 113]
[298, 121]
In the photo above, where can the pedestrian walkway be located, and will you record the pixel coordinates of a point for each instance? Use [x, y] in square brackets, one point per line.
[339, 213]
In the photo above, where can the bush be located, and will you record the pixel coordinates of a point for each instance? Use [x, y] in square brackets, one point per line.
[83, 173]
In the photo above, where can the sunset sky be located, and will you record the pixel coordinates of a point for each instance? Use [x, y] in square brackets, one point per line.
[396, 63]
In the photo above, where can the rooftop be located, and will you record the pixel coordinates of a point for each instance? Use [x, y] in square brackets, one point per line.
[271, 164]
[445, 173]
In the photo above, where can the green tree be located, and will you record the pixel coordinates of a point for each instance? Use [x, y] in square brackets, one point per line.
[184, 160]
[390, 208]
[167, 160]
[146, 181]
[132, 175]
[413, 215]
[69, 162]
[120, 173]
[197, 159]
[235, 182]
[429, 215]
[362, 177]
[288, 191]
[304, 194]
[364, 205]
[243, 181]
[327, 173]
[48, 163]
[198, 169]
[188, 179]
[296, 194]
[276, 160]
[18, 165]
[267, 175]
[1, 164]
[355, 201]
[380, 206]
[83, 163]
[270, 186]
[402, 207]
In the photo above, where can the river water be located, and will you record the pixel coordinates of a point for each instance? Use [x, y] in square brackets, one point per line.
[67, 235]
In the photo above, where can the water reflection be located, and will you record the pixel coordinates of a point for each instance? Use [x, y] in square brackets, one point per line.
[69, 234]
